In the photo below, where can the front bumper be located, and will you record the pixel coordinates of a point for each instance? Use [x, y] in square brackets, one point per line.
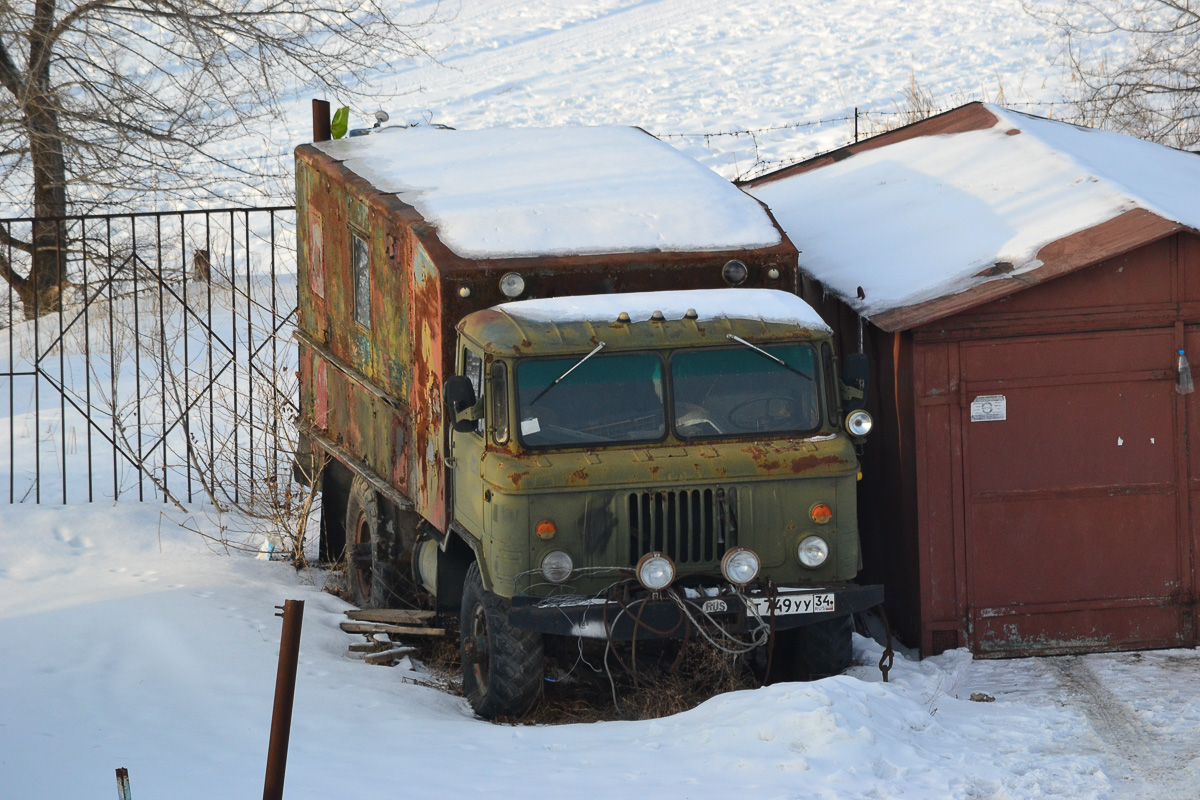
[669, 614]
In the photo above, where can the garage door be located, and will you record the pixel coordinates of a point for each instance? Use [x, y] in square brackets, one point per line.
[1076, 524]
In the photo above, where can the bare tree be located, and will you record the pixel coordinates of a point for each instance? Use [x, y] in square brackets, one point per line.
[109, 99]
[1136, 63]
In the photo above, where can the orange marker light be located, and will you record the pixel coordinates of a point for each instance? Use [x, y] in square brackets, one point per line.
[546, 530]
[821, 513]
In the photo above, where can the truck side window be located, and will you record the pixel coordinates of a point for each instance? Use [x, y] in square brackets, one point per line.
[361, 264]
[499, 402]
[831, 392]
[473, 369]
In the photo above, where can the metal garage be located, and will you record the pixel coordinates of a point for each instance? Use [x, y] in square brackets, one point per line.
[1024, 288]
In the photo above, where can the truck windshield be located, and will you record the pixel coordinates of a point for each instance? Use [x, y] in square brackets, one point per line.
[739, 391]
[605, 399]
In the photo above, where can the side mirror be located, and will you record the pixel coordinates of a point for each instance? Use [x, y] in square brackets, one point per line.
[459, 396]
[856, 371]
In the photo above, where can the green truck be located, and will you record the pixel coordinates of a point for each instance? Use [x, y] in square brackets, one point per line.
[558, 383]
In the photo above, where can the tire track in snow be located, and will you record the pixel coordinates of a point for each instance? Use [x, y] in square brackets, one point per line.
[1146, 765]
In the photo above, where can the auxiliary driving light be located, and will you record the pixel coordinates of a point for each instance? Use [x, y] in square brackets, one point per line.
[812, 552]
[655, 571]
[557, 566]
[512, 284]
[858, 423]
[740, 566]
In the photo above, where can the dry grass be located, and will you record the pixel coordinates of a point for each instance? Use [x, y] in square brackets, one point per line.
[665, 683]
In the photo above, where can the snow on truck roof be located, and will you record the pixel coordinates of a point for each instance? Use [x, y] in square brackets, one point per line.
[927, 217]
[768, 305]
[509, 192]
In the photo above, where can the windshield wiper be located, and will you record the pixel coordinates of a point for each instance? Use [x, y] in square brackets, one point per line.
[578, 363]
[762, 352]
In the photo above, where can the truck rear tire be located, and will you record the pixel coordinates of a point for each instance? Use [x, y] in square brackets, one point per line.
[821, 649]
[363, 572]
[502, 666]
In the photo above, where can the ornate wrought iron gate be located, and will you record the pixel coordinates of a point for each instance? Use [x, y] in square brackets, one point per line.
[166, 372]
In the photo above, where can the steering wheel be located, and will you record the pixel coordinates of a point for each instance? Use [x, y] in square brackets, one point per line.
[776, 411]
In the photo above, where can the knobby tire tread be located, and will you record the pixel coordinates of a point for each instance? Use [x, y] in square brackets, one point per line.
[517, 656]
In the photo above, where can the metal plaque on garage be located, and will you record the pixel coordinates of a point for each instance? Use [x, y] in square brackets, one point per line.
[989, 408]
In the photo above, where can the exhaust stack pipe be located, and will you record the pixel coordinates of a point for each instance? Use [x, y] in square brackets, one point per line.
[321, 121]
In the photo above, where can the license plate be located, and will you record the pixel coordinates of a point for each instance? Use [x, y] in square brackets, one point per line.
[795, 604]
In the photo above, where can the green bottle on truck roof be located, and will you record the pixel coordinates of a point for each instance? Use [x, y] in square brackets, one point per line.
[558, 384]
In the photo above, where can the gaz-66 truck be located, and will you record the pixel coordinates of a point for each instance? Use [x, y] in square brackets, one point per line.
[558, 383]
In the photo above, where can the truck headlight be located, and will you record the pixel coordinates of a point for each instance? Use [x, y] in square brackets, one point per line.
[812, 552]
[655, 571]
[858, 423]
[740, 566]
[557, 566]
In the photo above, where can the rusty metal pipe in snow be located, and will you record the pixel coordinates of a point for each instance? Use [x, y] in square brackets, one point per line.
[292, 612]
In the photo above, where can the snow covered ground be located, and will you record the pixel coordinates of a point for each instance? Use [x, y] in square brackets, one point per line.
[130, 642]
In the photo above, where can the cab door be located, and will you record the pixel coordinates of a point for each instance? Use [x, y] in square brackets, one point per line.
[467, 448]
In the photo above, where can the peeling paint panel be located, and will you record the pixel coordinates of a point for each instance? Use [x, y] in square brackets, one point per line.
[321, 397]
[427, 452]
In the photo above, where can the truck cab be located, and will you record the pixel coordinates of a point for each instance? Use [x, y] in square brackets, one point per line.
[625, 465]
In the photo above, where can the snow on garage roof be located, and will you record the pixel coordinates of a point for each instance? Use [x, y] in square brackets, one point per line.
[508, 192]
[938, 214]
[768, 305]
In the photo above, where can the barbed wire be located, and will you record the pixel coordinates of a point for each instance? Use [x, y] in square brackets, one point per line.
[759, 167]
[860, 113]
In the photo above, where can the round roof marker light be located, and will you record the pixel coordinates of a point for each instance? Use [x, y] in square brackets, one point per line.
[557, 566]
[691, 314]
[657, 316]
[773, 274]
[735, 272]
[546, 529]
[812, 552]
[655, 571]
[512, 285]
[623, 316]
[740, 566]
[821, 513]
[858, 423]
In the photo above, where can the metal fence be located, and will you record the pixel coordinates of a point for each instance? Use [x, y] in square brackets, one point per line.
[166, 372]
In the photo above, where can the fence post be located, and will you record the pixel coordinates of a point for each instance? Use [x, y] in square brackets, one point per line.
[285, 691]
[124, 792]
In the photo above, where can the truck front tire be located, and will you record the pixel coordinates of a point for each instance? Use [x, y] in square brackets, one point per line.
[502, 666]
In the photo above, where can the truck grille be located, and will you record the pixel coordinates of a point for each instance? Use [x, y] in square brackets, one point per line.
[692, 526]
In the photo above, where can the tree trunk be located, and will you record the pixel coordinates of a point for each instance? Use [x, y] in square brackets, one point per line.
[42, 290]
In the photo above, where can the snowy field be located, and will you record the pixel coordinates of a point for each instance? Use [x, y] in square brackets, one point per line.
[742, 87]
[128, 641]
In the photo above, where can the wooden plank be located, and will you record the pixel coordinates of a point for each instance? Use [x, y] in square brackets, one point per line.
[399, 630]
[388, 658]
[396, 616]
